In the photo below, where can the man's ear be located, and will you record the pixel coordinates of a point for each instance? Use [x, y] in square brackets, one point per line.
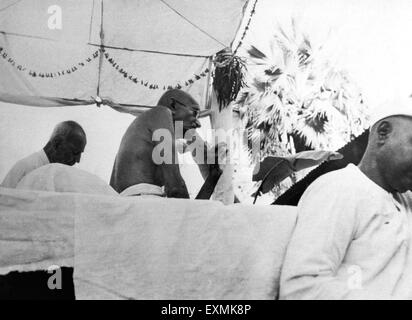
[384, 129]
[172, 107]
[57, 141]
[172, 104]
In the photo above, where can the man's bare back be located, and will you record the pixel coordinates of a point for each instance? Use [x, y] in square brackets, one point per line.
[134, 162]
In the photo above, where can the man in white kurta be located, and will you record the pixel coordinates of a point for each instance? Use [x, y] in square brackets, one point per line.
[352, 237]
[65, 146]
[24, 167]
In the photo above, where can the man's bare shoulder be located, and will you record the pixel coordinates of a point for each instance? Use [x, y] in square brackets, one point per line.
[156, 118]
[159, 111]
[152, 118]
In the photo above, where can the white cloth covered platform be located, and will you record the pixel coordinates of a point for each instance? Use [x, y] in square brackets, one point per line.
[136, 248]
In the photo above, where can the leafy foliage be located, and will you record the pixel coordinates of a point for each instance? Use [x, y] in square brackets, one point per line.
[296, 100]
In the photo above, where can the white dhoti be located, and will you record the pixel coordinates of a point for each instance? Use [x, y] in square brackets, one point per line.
[143, 189]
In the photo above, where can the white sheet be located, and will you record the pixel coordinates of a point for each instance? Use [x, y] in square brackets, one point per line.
[36, 230]
[147, 248]
[58, 177]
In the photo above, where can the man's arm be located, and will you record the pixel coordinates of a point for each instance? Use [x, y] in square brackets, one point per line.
[13, 177]
[198, 149]
[208, 163]
[175, 186]
[210, 183]
[162, 126]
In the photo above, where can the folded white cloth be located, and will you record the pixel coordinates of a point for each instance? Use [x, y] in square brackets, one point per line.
[143, 189]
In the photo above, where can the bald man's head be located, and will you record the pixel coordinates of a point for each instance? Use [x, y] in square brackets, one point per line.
[67, 128]
[167, 98]
[183, 106]
[389, 153]
[66, 143]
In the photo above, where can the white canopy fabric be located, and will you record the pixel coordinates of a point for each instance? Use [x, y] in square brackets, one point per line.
[125, 50]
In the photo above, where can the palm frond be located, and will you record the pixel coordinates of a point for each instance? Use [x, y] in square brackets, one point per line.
[256, 53]
[298, 94]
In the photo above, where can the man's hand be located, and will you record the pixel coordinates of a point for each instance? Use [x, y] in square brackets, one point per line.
[181, 146]
[217, 157]
[176, 192]
[175, 186]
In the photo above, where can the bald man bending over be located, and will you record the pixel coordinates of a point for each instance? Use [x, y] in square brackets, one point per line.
[65, 146]
[135, 171]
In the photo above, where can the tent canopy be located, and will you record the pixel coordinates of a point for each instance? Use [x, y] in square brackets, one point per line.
[59, 52]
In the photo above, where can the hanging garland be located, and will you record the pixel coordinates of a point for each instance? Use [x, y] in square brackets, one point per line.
[152, 86]
[56, 74]
[228, 78]
[252, 12]
[111, 60]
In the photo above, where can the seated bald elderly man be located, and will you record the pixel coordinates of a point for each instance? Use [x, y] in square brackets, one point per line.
[135, 171]
[65, 146]
[352, 239]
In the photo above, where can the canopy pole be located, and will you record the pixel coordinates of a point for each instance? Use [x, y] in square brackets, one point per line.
[101, 51]
[208, 93]
[222, 120]
[91, 23]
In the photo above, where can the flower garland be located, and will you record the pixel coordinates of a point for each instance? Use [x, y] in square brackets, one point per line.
[67, 71]
[228, 77]
[112, 62]
[151, 86]
[56, 74]
[252, 12]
